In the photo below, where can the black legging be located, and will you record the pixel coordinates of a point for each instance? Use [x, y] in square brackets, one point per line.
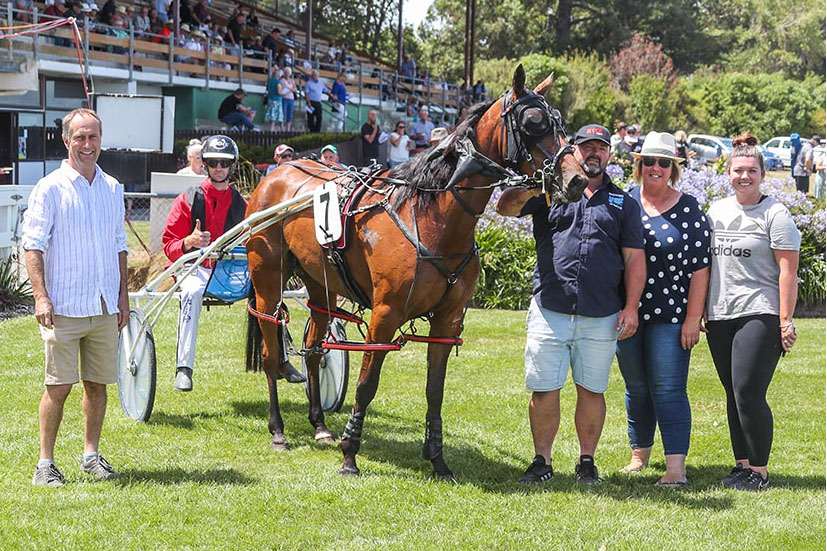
[746, 351]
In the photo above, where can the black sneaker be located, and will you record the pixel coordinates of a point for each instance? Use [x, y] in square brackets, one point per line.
[752, 482]
[586, 471]
[737, 473]
[48, 476]
[538, 472]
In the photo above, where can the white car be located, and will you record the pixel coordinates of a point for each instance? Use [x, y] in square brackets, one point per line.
[780, 145]
[708, 148]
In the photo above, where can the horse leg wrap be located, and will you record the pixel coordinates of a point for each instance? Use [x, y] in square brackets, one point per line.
[433, 438]
[353, 430]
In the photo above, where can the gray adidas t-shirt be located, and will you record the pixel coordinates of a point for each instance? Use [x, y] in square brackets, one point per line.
[744, 276]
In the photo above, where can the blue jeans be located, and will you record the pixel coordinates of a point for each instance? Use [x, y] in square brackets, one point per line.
[655, 369]
[238, 119]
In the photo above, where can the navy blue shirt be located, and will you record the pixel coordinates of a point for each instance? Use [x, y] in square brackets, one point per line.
[579, 266]
[677, 245]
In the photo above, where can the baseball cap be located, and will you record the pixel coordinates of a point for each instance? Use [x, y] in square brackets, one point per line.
[329, 147]
[282, 149]
[593, 132]
[816, 138]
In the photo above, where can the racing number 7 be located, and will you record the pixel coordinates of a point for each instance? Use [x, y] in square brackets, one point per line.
[324, 198]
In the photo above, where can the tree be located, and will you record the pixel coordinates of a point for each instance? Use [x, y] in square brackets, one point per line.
[640, 56]
[649, 102]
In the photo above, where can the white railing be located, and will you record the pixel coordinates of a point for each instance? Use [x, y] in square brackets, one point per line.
[13, 200]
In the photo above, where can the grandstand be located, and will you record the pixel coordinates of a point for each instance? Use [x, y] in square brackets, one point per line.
[41, 77]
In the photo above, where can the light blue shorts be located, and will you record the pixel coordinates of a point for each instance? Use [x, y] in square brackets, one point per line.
[554, 341]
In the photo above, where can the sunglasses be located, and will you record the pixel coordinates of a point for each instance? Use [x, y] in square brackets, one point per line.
[215, 163]
[663, 163]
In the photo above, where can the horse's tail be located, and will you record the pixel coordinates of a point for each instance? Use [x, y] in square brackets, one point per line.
[254, 338]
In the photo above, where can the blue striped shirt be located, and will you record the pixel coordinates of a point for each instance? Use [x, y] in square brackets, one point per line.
[80, 229]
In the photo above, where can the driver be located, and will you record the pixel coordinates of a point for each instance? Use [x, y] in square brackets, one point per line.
[199, 216]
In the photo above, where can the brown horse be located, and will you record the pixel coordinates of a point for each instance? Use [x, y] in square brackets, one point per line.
[437, 205]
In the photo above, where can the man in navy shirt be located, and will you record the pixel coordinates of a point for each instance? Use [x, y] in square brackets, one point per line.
[588, 280]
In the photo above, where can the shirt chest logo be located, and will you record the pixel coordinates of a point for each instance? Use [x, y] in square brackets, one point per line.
[616, 200]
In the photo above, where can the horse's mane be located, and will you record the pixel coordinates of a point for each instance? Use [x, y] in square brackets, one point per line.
[427, 173]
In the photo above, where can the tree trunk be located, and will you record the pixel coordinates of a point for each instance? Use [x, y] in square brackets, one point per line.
[562, 22]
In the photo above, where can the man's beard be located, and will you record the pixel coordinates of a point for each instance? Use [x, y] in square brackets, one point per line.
[591, 170]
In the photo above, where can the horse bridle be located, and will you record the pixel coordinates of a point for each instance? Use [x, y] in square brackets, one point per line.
[517, 144]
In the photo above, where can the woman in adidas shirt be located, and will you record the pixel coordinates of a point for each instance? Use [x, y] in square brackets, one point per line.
[752, 294]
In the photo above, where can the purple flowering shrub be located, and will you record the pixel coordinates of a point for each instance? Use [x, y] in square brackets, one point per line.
[507, 246]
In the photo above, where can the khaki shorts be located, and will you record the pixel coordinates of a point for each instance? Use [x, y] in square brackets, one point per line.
[95, 338]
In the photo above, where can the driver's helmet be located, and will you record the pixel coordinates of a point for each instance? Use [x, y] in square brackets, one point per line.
[220, 147]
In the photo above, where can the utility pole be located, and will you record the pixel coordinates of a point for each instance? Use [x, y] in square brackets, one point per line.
[399, 40]
[308, 24]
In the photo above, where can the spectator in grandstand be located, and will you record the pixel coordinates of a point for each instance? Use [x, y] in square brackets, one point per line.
[274, 114]
[195, 164]
[184, 12]
[218, 49]
[235, 31]
[271, 43]
[287, 57]
[252, 19]
[54, 8]
[620, 133]
[141, 23]
[400, 145]
[74, 9]
[408, 68]
[155, 23]
[25, 10]
[313, 91]
[119, 29]
[234, 113]
[287, 90]
[339, 97]
[162, 9]
[290, 39]
[200, 13]
[282, 154]
[438, 134]
[330, 155]
[370, 138]
[106, 13]
[421, 129]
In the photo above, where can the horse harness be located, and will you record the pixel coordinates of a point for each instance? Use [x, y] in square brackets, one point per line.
[525, 122]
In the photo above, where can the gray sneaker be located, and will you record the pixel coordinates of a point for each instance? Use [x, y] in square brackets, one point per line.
[48, 476]
[100, 468]
[183, 379]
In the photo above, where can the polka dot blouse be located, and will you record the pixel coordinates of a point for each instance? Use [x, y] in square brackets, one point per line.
[677, 245]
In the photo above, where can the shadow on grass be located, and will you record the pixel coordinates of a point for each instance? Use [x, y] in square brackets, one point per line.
[181, 421]
[176, 475]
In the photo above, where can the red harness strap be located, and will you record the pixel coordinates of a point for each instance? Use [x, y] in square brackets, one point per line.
[330, 342]
[281, 317]
[339, 313]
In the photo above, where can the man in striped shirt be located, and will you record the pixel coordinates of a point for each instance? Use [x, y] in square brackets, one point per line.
[75, 243]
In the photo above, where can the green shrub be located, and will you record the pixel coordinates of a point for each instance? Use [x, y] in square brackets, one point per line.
[507, 260]
[589, 97]
[12, 290]
[649, 102]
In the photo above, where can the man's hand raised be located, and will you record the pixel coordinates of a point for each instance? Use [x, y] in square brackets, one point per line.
[197, 238]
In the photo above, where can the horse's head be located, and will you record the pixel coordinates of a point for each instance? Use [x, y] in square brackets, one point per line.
[530, 136]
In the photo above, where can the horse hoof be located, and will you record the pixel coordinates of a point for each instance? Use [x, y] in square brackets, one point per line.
[349, 471]
[279, 446]
[324, 435]
[444, 476]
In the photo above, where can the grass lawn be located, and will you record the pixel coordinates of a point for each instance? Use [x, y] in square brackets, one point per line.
[200, 474]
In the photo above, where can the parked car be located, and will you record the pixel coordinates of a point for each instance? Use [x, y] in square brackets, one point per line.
[780, 146]
[771, 160]
[709, 148]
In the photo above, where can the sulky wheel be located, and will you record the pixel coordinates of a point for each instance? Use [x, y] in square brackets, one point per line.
[136, 374]
[333, 371]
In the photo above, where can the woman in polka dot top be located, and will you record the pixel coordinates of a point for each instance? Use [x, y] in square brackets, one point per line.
[655, 361]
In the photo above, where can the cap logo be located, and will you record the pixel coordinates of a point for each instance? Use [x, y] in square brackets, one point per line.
[220, 143]
[593, 131]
